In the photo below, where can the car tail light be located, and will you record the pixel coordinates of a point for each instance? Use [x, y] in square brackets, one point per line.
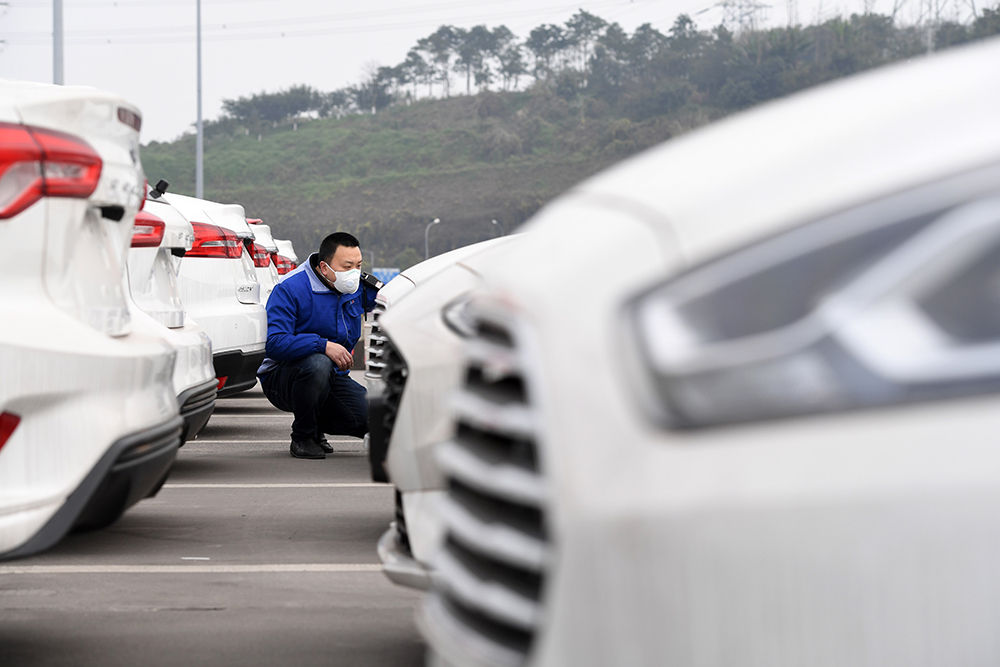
[283, 264]
[222, 382]
[254, 221]
[213, 241]
[8, 423]
[148, 230]
[36, 163]
[261, 258]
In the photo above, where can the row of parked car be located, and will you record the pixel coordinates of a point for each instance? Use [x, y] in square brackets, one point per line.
[127, 312]
[733, 402]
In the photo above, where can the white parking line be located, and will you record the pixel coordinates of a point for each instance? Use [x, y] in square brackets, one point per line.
[189, 569]
[352, 441]
[267, 415]
[278, 485]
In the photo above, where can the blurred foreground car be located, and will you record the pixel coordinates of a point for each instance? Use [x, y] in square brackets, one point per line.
[88, 415]
[419, 337]
[764, 432]
[160, 239]
[220, 290]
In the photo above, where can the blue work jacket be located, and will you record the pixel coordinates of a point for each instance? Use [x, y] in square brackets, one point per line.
[303, 314]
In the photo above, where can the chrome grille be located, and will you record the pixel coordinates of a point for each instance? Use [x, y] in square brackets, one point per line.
[394, 374]
[400, 522]
[376, 344]
[386, 377]
[490, 572]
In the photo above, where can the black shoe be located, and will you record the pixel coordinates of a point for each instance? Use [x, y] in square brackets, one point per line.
[307, 449]
[321, 440]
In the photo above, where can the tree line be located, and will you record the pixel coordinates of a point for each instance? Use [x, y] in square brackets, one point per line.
[637, 75]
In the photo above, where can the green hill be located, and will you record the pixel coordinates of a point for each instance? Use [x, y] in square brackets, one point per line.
[465, 160]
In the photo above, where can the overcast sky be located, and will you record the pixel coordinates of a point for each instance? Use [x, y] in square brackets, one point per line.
[145, 49]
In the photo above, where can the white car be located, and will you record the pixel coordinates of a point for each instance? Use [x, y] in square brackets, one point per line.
[160, 239]
[287, 250]
[381, 421]
[419, 338]
[285, 260]
[262, 250]
[88, 414]
[220, 290]
[752, 419]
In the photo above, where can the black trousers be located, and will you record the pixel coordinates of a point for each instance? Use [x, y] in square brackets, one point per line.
[321, 400]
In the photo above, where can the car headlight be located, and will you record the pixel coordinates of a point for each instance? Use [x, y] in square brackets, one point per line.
[873, 307]
[457, 318]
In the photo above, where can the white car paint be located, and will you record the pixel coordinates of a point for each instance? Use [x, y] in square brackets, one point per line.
[81, 386]
[223, 294]
[860, 538]
[286, 249]
[154, 290]
[415, 327]
[399, 287]
[267, 272]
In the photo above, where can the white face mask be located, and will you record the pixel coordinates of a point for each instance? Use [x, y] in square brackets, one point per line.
[347, 281]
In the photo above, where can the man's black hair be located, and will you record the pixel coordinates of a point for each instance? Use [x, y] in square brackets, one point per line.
[330, 244]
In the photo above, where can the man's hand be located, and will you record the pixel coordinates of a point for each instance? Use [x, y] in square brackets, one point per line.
[339, 355]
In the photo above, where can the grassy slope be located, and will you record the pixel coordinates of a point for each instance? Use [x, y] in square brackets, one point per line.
[465, 160]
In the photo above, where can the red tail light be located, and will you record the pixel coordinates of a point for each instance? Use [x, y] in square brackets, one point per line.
[8, 423]
[148, 230]
[36, 163]
[261, 258]
[254, 221]
[282, 263]
[212, 241]
[222, 382]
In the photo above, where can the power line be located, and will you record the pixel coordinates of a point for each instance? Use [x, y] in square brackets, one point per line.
[119, 4]
[230, 32]
[337, 17]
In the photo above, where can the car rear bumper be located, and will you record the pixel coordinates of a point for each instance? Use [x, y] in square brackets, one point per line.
[133, 468]
[239, 368]
[196, 405]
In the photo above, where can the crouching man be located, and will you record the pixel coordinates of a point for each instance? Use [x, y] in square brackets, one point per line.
[313, 323]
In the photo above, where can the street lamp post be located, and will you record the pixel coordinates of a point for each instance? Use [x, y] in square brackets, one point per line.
[57, 42]
[500, 225]
[199, 150]
[427, 231]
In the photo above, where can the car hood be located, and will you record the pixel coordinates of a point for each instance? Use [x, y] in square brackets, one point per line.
[816, 152]
[403, 283]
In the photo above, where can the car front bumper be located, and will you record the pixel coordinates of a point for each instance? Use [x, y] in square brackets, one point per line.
[398, 562]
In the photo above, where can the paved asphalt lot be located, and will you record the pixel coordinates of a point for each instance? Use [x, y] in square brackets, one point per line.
[246, 557]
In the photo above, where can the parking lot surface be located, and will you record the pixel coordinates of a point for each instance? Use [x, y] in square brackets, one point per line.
[245, 557]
